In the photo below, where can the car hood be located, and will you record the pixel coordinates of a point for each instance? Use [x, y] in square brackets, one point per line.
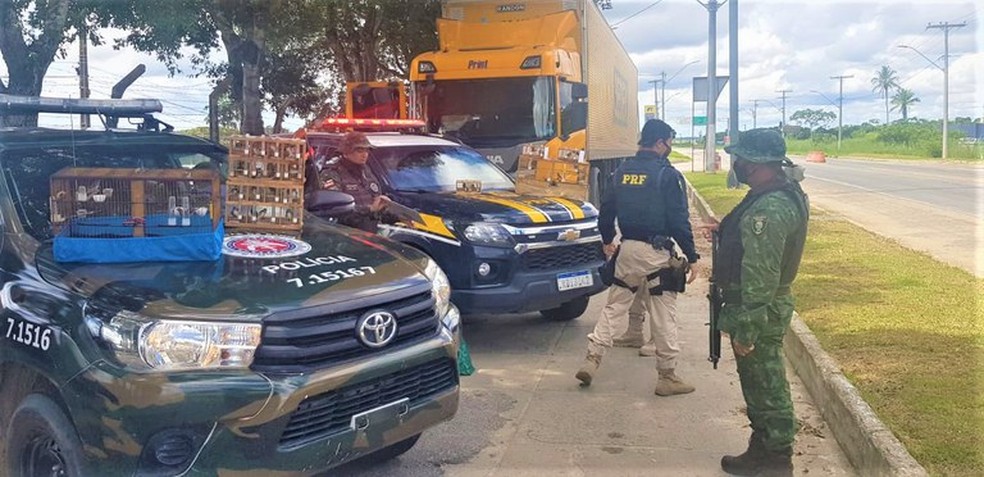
[500, 206]
[238, 288]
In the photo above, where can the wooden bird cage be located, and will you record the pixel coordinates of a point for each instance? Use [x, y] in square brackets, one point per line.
[266, 184]
[120, 203]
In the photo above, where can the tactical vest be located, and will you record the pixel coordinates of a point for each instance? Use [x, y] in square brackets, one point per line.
[640, 197]
[727, 272]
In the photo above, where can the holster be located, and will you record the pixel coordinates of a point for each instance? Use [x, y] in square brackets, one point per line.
[673, 278]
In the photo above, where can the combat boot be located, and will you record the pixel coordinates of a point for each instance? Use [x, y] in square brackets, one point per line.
[776, 464]
[748, 462]
[632, 338]
[590, 366]
[669, 384]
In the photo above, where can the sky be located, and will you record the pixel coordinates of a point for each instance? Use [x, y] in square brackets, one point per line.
[791, 45]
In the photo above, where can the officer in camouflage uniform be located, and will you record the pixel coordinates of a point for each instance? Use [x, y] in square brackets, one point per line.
[761, 243]
[350, 174]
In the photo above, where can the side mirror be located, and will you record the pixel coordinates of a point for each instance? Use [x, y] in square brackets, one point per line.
[329, 203]
[579, 91]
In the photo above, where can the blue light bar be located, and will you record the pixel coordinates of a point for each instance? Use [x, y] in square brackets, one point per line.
[109, 107]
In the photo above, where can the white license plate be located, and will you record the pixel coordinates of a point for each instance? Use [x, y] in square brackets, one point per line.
[574, 280]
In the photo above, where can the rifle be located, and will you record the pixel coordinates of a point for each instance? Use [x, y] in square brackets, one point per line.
[716, 298]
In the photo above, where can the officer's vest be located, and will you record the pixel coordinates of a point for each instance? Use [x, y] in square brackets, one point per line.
[640, 198]
[727, 273]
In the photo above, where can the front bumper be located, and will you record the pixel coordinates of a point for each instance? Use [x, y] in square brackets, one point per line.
[527, 291]
[239, 422]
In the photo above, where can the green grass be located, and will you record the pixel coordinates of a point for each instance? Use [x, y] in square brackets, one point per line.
[868, 146]
[907, 330]
[677, 157]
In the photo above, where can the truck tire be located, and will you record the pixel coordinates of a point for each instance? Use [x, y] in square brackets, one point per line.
[393, 451]
[568, 311]
[41, 441]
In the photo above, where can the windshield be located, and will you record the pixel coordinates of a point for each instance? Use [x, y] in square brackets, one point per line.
[494, 112]
[438, 169]
[28, 172]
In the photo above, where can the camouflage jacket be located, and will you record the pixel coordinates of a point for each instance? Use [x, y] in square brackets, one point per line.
[762, 243]
[361, 184]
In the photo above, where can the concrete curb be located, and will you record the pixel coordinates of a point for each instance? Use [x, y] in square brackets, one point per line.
[868, 443]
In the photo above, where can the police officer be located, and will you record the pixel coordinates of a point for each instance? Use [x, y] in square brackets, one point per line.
[648, 200]
[761, 242]
[350, 174]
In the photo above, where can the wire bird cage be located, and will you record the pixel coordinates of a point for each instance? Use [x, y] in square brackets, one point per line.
[146, 205]
[266, 184]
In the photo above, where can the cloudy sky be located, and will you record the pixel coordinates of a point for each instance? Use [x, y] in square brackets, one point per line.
[794, 45]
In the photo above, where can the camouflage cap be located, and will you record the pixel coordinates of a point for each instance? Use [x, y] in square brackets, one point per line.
[353, 141]
[759, 145]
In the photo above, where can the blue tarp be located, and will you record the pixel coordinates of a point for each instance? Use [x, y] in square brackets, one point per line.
[169, 245]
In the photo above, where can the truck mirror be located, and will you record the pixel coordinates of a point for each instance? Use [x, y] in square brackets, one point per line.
[329, 203]
[579, 91]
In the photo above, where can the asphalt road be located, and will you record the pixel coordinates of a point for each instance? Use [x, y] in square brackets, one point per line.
[934, 207]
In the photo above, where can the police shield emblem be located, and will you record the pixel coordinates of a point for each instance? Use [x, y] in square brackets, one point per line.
[758, 224]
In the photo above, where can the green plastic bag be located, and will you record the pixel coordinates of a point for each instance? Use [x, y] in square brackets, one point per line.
[465, 366]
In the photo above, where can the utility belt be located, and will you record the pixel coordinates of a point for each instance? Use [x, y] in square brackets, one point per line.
[672, 278]
[733, 296]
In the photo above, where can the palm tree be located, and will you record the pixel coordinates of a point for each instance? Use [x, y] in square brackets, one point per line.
[885, 79]
[901, 101]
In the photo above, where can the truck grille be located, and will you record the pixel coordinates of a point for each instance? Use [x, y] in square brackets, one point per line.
[568, 256]
[324, 415]
[311, 342]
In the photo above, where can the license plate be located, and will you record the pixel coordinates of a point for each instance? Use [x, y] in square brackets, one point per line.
[574, 280]
[387, 413]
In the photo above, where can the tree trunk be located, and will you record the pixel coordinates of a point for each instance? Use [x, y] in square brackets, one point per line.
[252, 106]
[886, 106]
[25, 80]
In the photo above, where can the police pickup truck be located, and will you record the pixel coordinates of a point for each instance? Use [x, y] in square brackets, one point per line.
[287, 355]
[503, 252]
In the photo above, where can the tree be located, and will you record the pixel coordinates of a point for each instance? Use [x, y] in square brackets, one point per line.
[884, 80]
[32, 33]
[902, 100]
[812, 118]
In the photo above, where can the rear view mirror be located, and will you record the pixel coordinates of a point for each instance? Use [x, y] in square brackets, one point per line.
[329, 203]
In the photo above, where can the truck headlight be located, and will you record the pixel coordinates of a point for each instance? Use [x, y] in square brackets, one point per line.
[491, 234]
[440, 288]
[169, 345]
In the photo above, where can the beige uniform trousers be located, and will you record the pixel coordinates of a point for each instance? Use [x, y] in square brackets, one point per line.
[636, 260]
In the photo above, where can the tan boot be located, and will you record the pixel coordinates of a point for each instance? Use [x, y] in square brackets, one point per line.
[590, 366]
[648, 349]
[632, 338]
[669, 384]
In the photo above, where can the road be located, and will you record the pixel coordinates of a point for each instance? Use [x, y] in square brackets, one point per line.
[936, 208]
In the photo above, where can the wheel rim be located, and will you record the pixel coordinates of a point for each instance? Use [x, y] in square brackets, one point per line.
[43, 457]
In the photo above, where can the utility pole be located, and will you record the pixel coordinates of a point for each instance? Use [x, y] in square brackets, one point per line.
[662, 94]
[946, 26]
[782, 129]
[733, 69]
[755, 105]
[84, 71]
[840, 108]
[710, 148]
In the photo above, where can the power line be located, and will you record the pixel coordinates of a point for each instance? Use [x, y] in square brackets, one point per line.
[636, 13]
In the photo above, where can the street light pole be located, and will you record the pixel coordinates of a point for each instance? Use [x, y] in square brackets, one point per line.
[663, 82]
[840, 108]
[946, 26]
[710, 148]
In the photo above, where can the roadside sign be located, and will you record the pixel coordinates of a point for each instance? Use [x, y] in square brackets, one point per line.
[700, 120]
[649, 111]
[700, 87]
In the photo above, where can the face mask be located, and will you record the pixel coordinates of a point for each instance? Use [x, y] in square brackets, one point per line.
[741, 172]
[669, 149]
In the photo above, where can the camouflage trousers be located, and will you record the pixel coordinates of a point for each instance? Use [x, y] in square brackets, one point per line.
[763, 380]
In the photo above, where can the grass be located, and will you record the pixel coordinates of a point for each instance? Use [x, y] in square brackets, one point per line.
[907, 330]
[677, 157]
[867, 146]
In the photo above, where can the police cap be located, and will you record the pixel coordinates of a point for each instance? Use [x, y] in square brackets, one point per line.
[759, 145]
[354, 140]
[653, 131]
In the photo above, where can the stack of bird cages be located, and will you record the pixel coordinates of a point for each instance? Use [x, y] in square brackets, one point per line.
[106, 215]
[266, 184]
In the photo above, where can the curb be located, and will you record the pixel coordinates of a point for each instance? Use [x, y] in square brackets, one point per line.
[868, 443]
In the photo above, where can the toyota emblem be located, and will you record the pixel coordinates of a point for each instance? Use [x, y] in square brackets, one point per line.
[377, 328]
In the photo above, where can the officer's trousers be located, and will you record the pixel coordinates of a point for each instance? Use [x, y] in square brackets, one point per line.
[763, 380]
[636, 260]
